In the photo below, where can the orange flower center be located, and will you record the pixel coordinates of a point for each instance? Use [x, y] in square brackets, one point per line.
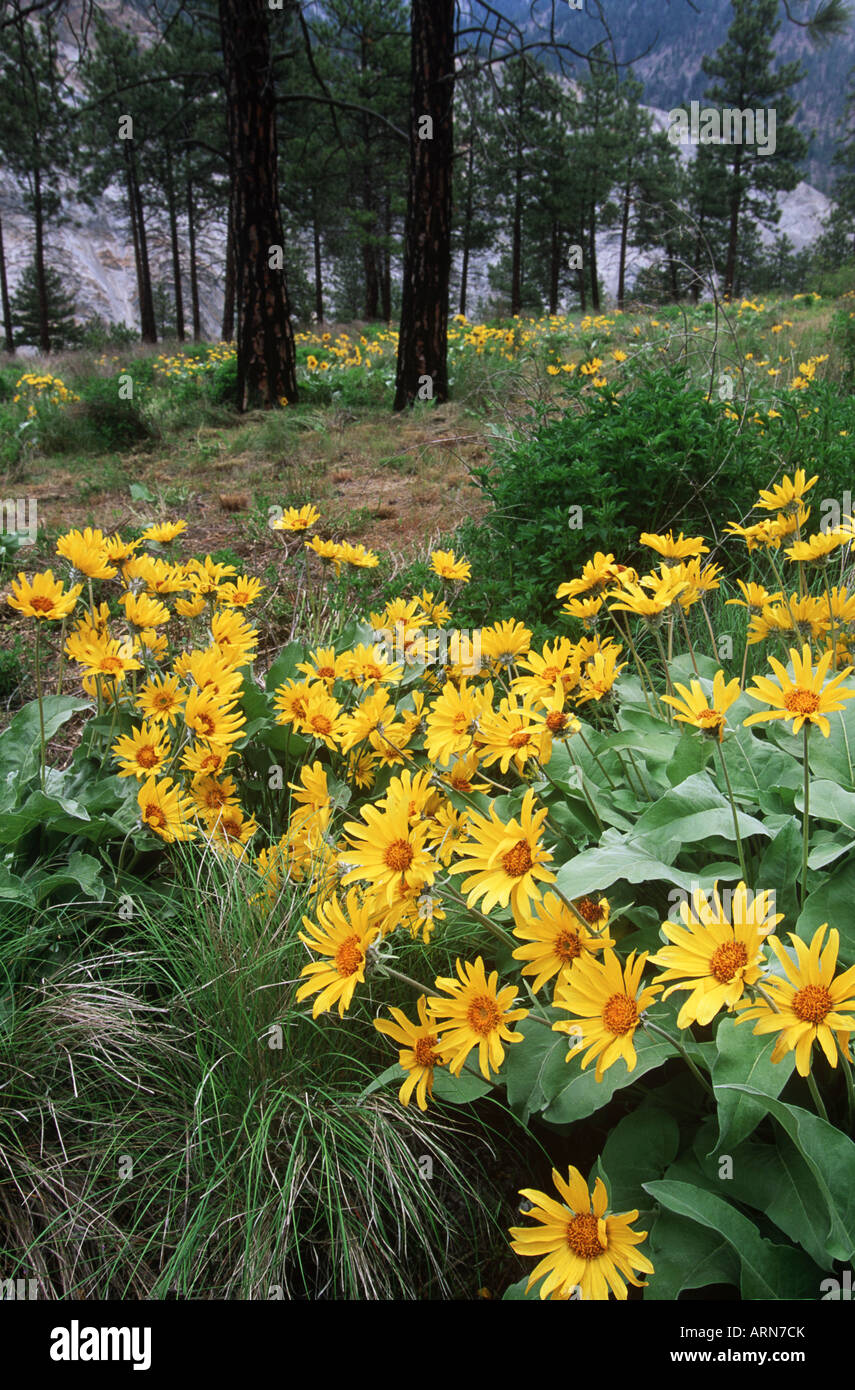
[556, 722]
[591, 911]
[567, 945]
[147, 756]
[231, 829]
[518, 739]
[726, 960]
[110, 663]
[206, 724]
[799, 701]
[424, 1053]
[583, 1236]
[483, 1014]
[399, 855]
[550, 673]
[154, 816]
[349, 957]
[812, 1003]
[517, 861]
[163, 700]
[620, 1014]
[325, 671]
[42, 605]
[320, 723]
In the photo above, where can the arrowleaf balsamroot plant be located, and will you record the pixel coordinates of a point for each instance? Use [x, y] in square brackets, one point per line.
[564, 873]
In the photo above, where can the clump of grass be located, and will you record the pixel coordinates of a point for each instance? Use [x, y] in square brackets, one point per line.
[174, 1124]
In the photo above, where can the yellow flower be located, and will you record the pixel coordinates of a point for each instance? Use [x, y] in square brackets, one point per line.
[505, 861]
[163, 531]
[505, 642]
[674, 550]
[297, 519]
[418, 1055]
[787, 496]
[211, 721]
[443, 563]
[477, 1014]
[344, 934]
[606, 1000]
[387, 851]
[165, 811]
[697, 709]
[713, 957]
[86, 552]
[579, 1245]
[806, 700]
[754, 597]
[141, 753]
[817, 549]
[142, 611]
[810, 1005]
[161, 699]
[44, 598]
[555, 939]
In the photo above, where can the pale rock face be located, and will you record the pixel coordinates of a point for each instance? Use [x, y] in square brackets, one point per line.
[93, 252]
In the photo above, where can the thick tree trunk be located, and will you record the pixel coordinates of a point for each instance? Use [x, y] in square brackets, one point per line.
[194, 269]
[9, 345]
[176, 253]
[423, 339]
[41, 282]
[266, 355]
[228, 329]
[369, 250]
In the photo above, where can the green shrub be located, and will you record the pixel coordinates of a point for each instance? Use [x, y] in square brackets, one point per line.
[99, 422]
[661, 456]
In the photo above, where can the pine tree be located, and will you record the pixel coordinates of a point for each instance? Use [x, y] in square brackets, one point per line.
[34, 131]
[26, 310]
[747, 81]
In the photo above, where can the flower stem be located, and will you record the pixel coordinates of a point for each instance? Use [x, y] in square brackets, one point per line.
[41, 707]
[850, 1091]
[806, 819]
[678, 1046]
[816, 1097]
[739, 844]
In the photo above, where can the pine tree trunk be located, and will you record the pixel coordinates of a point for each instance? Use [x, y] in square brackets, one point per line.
[624, 237]
[41, 283]
[132, 217]
[148, 325]
[733, 239]
[595, 283]
[319, 281]
[386, 277]
[228, 329]
[423, 338]
[467, 228]
[194, 269]
[516, 245]
[554, 267]
[369, 253]
[266, 354]
[9, 345]
[176, 254]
